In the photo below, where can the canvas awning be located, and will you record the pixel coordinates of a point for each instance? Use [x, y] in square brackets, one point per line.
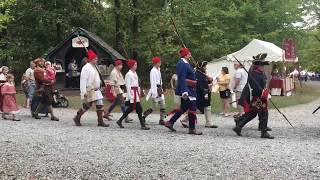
[275, 53]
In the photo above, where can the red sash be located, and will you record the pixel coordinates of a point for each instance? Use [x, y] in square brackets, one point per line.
[191, 83]
[109, 94]
[135, 93]
[259, 104]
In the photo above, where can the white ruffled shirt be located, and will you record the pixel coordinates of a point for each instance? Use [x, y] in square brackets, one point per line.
[89, 79]
[131, 79]
[155, 79]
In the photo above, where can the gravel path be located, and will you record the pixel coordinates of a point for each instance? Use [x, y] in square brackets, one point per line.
[42, 149]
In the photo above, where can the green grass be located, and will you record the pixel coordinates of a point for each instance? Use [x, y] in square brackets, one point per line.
[302, 96]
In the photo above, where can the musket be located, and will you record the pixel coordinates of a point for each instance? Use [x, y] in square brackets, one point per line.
[258, 85]
[181, 40]
[316, 110]
[103, 83]
[125, 52]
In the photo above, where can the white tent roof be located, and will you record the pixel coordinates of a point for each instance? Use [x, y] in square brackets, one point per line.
[256, 47]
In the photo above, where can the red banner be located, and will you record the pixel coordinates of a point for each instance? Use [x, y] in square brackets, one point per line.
[289, 47]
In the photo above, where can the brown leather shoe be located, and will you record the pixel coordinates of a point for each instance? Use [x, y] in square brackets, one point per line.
[161, 122]
[102, 124]
[100, 119]
[212, 126]
[169, 126]
[53, 118]
[195, 132]
[145, 128]
[77, 118]
[107, 116]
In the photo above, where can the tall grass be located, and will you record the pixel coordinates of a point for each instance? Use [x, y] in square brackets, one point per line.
[303, 95]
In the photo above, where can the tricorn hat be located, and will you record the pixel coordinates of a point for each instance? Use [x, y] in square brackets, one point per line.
[260, 59]
[202, 64]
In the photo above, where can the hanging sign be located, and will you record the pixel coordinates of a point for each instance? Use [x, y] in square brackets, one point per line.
[290, 49]
[79, 42]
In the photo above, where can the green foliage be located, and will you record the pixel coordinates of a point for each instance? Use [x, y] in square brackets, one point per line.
[311, 54]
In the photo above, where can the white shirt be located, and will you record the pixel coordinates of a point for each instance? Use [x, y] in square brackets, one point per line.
[155, 79]
[3, 77]
[116, 80]
[30, 74]
[242, 76]
[89, 79]
[131, 79]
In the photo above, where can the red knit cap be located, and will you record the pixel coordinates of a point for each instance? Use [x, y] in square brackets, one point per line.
[184, 52]
[91, 55]
[118, 62]
[156, 60]
[131, 63]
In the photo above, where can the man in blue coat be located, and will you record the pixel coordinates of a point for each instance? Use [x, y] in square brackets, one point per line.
[186, 89]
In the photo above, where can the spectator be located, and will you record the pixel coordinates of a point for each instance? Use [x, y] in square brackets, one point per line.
[240, 79]
[50, 73]
[73, 74]
[225, 93]
[4, 70]
[9, 103]
[24, 87]
[30, 83]
[3, 74]
[57, 65]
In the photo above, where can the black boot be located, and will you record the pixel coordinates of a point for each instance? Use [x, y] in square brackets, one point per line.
[53, 118]
[36, 116]
[143, 124]
[147, 113]
[265, 134]
[237, 119]
[268, 128]
[237, 129]
[119, 122]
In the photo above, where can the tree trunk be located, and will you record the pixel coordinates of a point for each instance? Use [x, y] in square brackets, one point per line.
[118, 41]
[135, 28]
[59, 34]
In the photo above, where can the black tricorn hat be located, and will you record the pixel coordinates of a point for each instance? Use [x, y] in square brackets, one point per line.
[202, 64]
[260, 59]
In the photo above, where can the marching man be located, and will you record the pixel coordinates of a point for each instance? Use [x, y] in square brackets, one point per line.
[186, 88]
[133, 95]
[156, 91]
[254, 99]
[90, 84]
[118, 90]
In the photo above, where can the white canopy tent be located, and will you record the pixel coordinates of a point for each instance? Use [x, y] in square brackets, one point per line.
[275, 54]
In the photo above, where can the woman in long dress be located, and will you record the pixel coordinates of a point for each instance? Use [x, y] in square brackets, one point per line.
[9, 103]
[4, 70]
